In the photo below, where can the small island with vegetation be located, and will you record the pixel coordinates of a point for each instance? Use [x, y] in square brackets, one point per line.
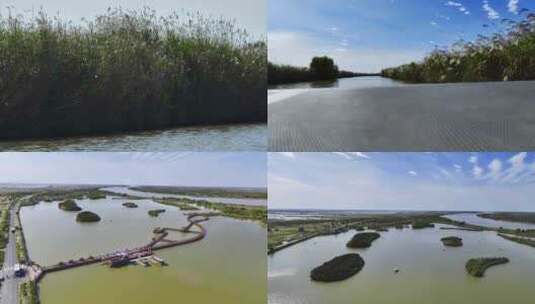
[87, 217]
[130, 205]
[363, 240]
[477, 266]
[452, 241]
[155, 212]
[422, 225]
[69, 205]
[338, 269]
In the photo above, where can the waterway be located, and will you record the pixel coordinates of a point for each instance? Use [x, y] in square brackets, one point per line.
[243, 137]
[228, 266]
[472, 218]
[429, 272]
[284, 91]
[225, 200]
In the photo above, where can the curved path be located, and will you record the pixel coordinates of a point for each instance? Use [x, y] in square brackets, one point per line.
[159, 242]
[446, 117]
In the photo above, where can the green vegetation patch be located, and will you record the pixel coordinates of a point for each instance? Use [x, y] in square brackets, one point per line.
[28, 293]
[69, 205]
[96, 195]
[130, 205]
[422, 225]
[520, 240]
[338, 269]
[519, 217]
[452, 241]
[155, 212]
[503, 56]
[477, 266]
[363, 240]
[87, 217]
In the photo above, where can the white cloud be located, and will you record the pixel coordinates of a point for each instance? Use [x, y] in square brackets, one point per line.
[433, 23]
[458, 168]
[491, 13]
[473, 159]
[413, 173]
[513, 6]
[288, 154]
[477, 171]
[460, 7]
[495, 168]
[360, 154]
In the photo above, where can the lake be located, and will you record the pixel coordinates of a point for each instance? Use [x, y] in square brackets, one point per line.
[472, 218]
[225, 200]
[244, 137]
[429, 272]
[228, 266]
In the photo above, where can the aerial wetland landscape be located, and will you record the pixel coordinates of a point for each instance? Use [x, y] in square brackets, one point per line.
[412, 257]
[72, 241]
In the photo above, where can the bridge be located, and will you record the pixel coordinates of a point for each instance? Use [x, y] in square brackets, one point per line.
[160, 241]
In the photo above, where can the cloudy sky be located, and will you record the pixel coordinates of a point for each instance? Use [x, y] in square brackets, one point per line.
[181, 169]
[368, 35]
[402, 181]
[249, 14]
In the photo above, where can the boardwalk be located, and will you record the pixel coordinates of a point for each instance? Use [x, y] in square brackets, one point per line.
[451, 117]
[157, 243]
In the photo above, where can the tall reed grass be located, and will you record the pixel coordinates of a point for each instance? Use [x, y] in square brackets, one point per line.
[126, 70]
[507, 55]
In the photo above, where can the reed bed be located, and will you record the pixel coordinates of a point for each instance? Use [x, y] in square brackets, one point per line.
[127, 70]
[507, 55]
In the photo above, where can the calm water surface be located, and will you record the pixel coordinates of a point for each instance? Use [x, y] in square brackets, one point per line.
[472, 218]
[281, 92]
[429, 272]
[343, 83]
[226, 200]
[249, 137]
[228, 266]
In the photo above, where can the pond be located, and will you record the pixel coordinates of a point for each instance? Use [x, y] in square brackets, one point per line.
[429, 272]
[228, 266]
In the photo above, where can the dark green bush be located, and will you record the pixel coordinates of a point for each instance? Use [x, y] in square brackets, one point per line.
[126, 70]
[501, 57]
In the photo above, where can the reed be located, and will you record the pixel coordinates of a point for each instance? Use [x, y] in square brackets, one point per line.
[127, 70]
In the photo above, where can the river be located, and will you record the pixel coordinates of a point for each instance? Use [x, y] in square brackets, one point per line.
[228, 266]
[225, 200]
[248, 137]
[472, 218]
[284, 91]
[429, 272]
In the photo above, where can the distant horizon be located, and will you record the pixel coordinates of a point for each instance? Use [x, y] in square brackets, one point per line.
[187, 169]
[401, 210]
[126, 185]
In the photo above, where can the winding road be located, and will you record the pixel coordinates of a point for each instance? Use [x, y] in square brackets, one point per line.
[444, 117]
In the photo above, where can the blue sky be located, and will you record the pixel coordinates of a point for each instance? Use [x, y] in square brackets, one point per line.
[181, 169]
[402, 181]
[368, 35]
[249, 14]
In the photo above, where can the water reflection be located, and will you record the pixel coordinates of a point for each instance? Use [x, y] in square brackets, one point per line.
[249, 137]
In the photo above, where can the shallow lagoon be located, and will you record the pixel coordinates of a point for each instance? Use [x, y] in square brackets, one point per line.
[228, 266]
[429, 272]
